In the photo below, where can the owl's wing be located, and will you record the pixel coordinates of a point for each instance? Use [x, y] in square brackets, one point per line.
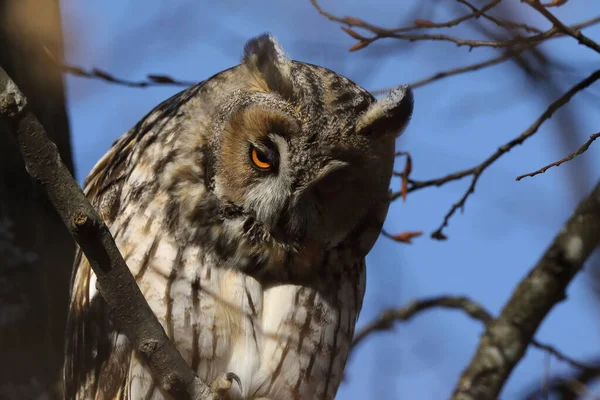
[96, 355]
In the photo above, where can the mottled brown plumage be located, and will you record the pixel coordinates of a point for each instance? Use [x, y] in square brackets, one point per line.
[244, 207]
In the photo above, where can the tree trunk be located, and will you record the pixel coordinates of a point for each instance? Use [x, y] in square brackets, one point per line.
[36, 251]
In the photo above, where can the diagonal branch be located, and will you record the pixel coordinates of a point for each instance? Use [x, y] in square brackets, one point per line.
[506, 338]
[571, 156]
[476, 311]
[509, 25]
[575, 33]
[130, 311]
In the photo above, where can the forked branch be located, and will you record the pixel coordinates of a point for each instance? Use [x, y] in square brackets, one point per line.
[476, 171]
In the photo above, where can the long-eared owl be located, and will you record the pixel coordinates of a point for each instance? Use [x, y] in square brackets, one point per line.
[244, 207]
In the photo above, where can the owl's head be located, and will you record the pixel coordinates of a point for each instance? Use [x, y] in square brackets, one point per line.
[302, 152]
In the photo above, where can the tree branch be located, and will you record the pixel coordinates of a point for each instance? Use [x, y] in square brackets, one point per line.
[575, 33]
[508, 54]
[399, 33]
[388, 317]
[130, 311]
[508, 25]
[477, 170]
[506, 339]
[152, 80]
[571, 156]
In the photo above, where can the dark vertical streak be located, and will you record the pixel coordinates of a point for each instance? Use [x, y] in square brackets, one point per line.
[277, 371]
[288, 344]
[313, 357]
[147, 225]
[172, 276]
[333, 352]
[146, 259]
[306, 327]
[196, 313]
[304, 332]
[251, 317]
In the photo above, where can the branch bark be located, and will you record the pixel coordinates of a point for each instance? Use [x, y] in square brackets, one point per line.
[130, 311]
[506, 339]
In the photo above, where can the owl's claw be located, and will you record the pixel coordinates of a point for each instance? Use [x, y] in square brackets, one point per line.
[223, 383]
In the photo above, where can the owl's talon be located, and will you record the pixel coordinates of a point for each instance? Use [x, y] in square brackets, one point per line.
[223, 383]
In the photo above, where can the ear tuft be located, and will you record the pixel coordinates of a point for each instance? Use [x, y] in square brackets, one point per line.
[388, 114]
[264, 55]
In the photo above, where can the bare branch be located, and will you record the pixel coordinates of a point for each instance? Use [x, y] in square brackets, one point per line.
[506, 338]
[476, 171]
[575, 33]
[387, 318]
[509, 25]
[455, 71]
[509, 54]
[153, 80]
[399, 33]
[571, 156]
[130, 311]
[424, 24]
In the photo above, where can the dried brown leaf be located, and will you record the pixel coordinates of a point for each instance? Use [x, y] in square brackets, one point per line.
[406, 237]
[423, 23]
[359, 45]
[353, 33]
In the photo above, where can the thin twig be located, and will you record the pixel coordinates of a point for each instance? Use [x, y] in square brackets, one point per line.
[153, 80]
[571, 156]
[508, 25]
[509, 54]
[130, 311]
[388, 317]
[575, 33]
[95, 73]
[425, 24]
[451, 72]
[381, 33]
[562, 357]
[420, 24]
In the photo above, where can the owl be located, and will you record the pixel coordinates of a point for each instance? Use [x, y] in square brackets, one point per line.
[244, 207]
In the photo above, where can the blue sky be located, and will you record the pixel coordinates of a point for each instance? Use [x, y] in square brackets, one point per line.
[457, 123]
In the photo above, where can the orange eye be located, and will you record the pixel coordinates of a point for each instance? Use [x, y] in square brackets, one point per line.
[259, 159]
